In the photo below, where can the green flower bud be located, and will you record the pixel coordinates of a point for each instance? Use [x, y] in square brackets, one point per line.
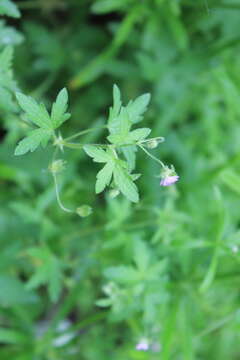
[84, 210]
[152, 144]
[57, 166]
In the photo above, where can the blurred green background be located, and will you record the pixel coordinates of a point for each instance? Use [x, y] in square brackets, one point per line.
[166, 269]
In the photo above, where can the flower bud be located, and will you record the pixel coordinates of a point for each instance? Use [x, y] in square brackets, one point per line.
[152, 144]
[84, 210]
[57, 166]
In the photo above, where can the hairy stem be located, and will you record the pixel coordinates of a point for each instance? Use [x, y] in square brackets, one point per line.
[58, 195]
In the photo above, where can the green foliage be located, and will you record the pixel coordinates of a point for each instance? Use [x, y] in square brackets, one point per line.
[38, 115]
[107, 273]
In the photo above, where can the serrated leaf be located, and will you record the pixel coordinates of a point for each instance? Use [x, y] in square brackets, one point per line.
[104, 177]
[119, 128]
[125, 184]
[34, 139]
[138, 134]
[35, 113]
[138, 107]
[130, 154]
[8, 8]
[59, 108]
[98, 154]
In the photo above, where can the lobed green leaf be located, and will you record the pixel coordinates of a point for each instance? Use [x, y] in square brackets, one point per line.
[35, 113]
[33, 140]
[59, 108]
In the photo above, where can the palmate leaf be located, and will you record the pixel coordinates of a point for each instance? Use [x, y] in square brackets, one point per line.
[35, 113]
[33, 140]
[38, 115]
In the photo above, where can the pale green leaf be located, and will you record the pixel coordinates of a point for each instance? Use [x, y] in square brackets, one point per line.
[130, 155]
[104, 177]
[35, 112]
[138, 107]
[98, 154]
[125, 184]
[59, 108]
[33, 140]
[119, 128]
[138, 134]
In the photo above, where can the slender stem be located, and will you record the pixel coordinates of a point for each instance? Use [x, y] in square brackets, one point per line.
[104, 146]
[152, 156]
[83, 132]
[58, 196]
[80, 146]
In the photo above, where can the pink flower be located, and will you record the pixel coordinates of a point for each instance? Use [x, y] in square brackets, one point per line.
[169, 180]
[143, 345]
